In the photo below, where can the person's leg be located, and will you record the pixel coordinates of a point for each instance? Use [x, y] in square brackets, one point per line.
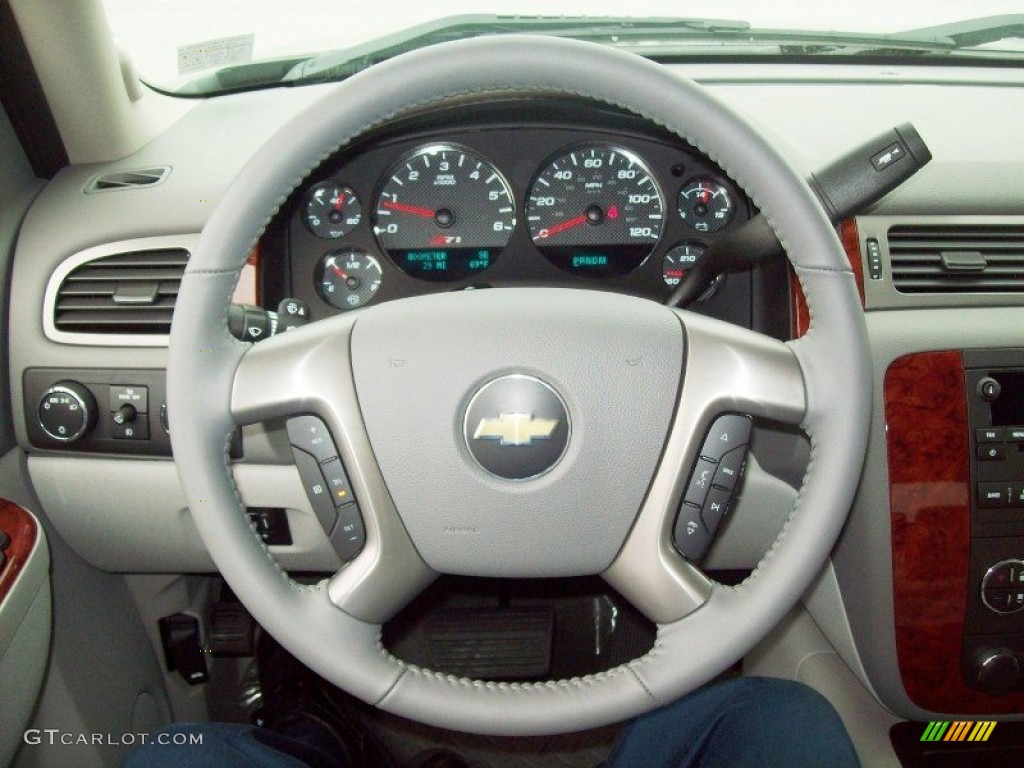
[215, 745]
[744, 723]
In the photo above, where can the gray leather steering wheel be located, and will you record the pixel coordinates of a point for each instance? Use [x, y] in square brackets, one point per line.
[392, 383]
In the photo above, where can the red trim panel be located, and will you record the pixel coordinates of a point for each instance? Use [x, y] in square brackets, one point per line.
[21, 527]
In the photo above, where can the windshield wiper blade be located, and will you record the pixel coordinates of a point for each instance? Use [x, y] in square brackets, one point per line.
[663, 34]
[337, 64]
[975, 32]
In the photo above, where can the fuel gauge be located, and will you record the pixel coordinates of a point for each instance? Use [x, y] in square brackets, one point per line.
[348, 278]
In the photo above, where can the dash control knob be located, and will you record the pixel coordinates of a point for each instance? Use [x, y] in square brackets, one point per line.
[997, 670]
[989, 389]
[67, 411]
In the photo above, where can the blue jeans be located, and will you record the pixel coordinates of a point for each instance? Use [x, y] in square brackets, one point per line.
[750, 722]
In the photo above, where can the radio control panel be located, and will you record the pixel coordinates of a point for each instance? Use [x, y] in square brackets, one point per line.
[994, 625]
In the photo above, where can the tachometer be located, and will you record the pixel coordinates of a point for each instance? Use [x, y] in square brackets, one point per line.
[444, 213]
[595, 210]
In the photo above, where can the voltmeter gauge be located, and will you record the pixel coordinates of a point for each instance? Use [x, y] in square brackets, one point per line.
[331, 210]
[706, 205]
[348, 278]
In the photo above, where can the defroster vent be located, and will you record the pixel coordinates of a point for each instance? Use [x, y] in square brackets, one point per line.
[957, 258]
[123, 293]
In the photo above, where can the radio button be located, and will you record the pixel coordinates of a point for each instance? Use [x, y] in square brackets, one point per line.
[729, 431]
[1017, 494]
[1015, 434]
[991, 453]
[993, 495]
[700, 482]
[1002, 588]
[989, 435]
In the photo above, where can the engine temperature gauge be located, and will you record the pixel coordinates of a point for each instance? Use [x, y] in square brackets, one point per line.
[348, 278]
[681, 259]
[706, 205]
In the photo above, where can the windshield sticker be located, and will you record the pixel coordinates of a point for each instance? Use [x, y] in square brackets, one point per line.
[215, 53]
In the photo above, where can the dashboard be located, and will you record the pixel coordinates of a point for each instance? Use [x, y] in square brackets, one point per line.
[505, 194]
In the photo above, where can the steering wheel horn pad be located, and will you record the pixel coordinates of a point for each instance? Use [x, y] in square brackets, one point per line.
[395, 401]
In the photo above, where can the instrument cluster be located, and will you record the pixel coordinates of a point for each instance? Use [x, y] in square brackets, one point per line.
[618, 207]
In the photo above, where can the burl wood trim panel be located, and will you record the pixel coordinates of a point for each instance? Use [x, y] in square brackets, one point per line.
[21, 527]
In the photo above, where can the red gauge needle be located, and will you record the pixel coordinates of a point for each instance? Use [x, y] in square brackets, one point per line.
[705, 195]
[581, 219]
[414, 209]
[339, 271]
[339, 203]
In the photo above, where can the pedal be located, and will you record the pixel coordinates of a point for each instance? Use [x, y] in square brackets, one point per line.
[231, 630]
[491, 644]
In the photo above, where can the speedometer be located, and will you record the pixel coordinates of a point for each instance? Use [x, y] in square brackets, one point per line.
[444, 213]
[596, 210]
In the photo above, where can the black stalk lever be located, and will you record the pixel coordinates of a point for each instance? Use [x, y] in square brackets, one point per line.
[847, 186]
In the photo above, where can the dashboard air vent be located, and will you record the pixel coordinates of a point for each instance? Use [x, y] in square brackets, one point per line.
[142, 177]
[957, 258]
[123, 293]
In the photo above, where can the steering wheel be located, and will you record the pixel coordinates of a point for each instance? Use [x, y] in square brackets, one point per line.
[639, 385]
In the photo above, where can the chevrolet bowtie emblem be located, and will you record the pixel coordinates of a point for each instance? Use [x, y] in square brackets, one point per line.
[515, 429]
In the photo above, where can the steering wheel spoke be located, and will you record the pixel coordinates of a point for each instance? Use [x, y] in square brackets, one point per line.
[729, 370]
[307, 372]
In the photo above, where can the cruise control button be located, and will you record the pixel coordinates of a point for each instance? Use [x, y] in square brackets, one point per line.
[715, 508]
[316, 489]
[730, 468]
[700, 482]
[690, 536]
[337, 482]
[309, 434]
[349, 534]
[729, 431]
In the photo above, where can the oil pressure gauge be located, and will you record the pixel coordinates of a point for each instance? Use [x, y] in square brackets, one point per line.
[331, 210]
[348, 278]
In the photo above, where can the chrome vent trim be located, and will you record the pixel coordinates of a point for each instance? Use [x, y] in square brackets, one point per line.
[132, 179]
[956, 258]
[126, 287]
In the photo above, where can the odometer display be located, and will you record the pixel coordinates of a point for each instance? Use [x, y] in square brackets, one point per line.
[595, 210]
[444, 214]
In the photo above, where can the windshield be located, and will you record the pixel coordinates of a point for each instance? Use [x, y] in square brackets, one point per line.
[207, 46]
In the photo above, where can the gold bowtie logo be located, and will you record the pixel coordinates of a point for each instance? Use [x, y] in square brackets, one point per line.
[515, 429]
